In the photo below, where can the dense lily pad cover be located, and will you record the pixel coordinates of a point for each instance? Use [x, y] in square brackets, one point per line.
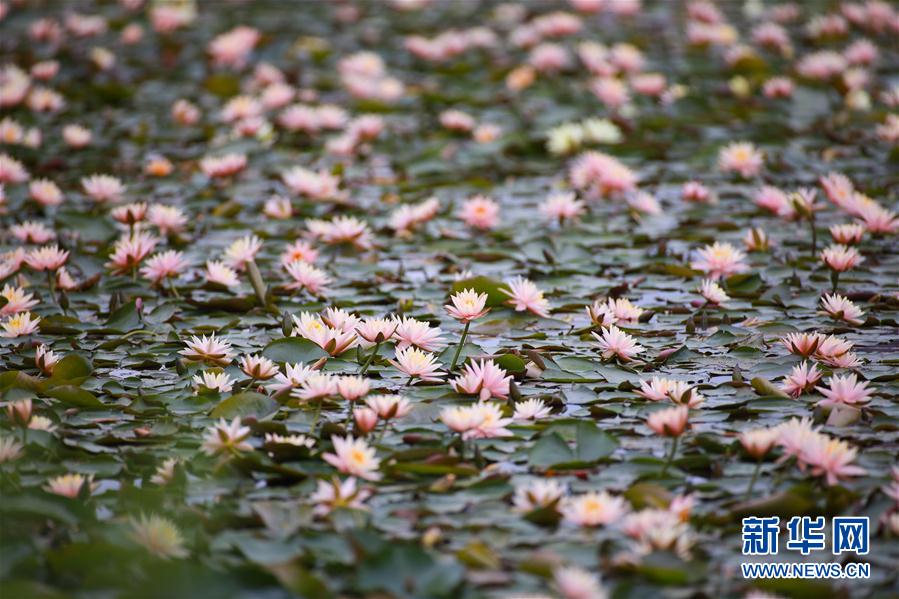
[417, 298]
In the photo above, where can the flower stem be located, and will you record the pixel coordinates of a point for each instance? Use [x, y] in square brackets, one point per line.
[173, 288]
[811, 224]
[381, 434]
[370, 358]
[835, 279]
[461, 343]
[318, 413]
[51, 283]
[349, 415]
[755, 476]
[671, 455]
[257, 282]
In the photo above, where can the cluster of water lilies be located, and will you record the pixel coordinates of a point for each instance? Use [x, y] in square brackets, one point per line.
[419, 298]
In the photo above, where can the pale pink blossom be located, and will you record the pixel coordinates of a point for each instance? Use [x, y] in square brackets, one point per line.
[103, 188]
[211, 350]
[407, 217]
[388, 407]
[293, 377]
[168, 219]
[758, 442]
[573, 582]
[480, 212]
[233, 47]
[648, 84]
[831, 458]
[71, 485]
[877, 219]
[213, 381]
[741, 157]
[670, 422]
[773, 199]
[334, 494]
[377, 330]
[756, 240]
[227, 165]
[802, 378]
[166, 265]
[549, 57]
[45, 192]
[307, 277]
[316, 386]
[129, 214]
[839, 190]
[838, 307]
[841, 258]
[612, 92]
[342, 230]
[847, 234]
[11, 170]
[845, 390]
[802, 344]
[719, 260]
[679, 392]
[240, 108]
[595, 508]
[601, 175]
[778, 87]
[821, 65]
[624, 310]
[456, 120]
[278, 207]
[242, 251]
[353, 388]
[225, 437]
[562, 207]
[484, 379]
[601, 314]
[257, 367]
[541, 493]
[185, 112]
[130, 250]
[694, 191]
[19, 325]
[365, 418]
[713, 293]
[531, 409]
[45, 359]
[48, 257]
[320, 185]
[17, 300]
[221, 274]
[416, 363]
[467, 305]
[416, 333]
[526, 296]
[355, 457]
[332, 340]
[32, 232]
[616, 343]
[644, 202]
[339, 318]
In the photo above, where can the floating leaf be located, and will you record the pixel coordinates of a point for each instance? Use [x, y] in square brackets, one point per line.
[293, 350]
[246, 405]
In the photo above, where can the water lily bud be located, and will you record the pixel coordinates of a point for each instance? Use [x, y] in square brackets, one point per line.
[20, 411]
[431, 537]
